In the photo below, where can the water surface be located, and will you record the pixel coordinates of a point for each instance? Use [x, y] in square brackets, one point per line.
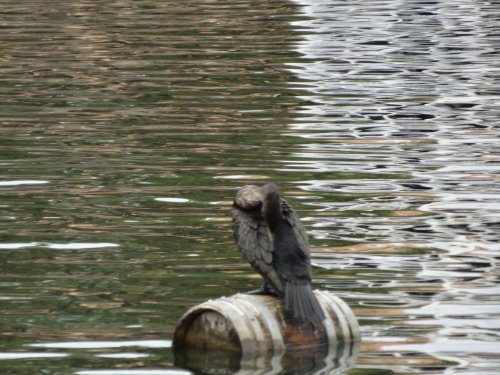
[126, 127]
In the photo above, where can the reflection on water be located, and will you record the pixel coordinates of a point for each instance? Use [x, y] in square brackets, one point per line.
[317, 360]
[126, 127]
[403, 98]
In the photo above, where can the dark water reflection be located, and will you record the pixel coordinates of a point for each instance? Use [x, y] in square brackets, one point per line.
[125, 128]
[332, 359]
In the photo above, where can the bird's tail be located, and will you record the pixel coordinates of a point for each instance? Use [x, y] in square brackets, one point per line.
[301, 305]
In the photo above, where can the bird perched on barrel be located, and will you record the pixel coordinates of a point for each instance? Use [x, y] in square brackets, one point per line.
[274, 241]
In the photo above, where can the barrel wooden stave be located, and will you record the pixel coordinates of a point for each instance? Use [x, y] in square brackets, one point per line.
[255, 324]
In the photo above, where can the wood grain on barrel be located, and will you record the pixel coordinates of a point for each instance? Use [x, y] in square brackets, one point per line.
[255, 324]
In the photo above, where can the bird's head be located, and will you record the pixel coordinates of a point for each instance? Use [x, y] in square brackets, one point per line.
[266, 198]
[249, 197]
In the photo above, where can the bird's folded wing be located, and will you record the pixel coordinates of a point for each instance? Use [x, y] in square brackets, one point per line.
[298, 227]
[255, 242]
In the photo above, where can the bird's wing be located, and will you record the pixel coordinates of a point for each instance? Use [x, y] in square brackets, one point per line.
[255, 242]
[298, 227]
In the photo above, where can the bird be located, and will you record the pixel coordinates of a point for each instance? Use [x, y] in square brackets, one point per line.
[275, 243]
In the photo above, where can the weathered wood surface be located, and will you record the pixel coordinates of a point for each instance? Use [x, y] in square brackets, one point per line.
[254, 324]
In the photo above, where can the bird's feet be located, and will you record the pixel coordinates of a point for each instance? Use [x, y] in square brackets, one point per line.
[264, 289]
[258, 291]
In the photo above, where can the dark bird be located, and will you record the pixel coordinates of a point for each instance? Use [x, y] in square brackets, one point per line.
[274, 241]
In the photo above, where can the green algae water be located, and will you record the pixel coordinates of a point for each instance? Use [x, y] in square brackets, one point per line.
[126, 128]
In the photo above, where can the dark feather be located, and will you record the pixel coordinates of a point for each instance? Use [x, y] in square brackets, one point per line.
[254, 240]
[298, 228]
[301, 304]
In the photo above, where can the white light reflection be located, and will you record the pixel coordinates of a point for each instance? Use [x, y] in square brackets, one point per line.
[105, 344]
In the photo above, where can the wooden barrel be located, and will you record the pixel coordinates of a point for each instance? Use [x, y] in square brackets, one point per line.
[253, 324]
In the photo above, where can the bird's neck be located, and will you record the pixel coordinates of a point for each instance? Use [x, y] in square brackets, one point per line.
[271, 211]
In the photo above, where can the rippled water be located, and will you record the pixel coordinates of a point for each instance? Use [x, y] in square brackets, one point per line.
[126, 127]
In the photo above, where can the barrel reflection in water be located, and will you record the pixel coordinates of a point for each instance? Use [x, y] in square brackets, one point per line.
[332, 359]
